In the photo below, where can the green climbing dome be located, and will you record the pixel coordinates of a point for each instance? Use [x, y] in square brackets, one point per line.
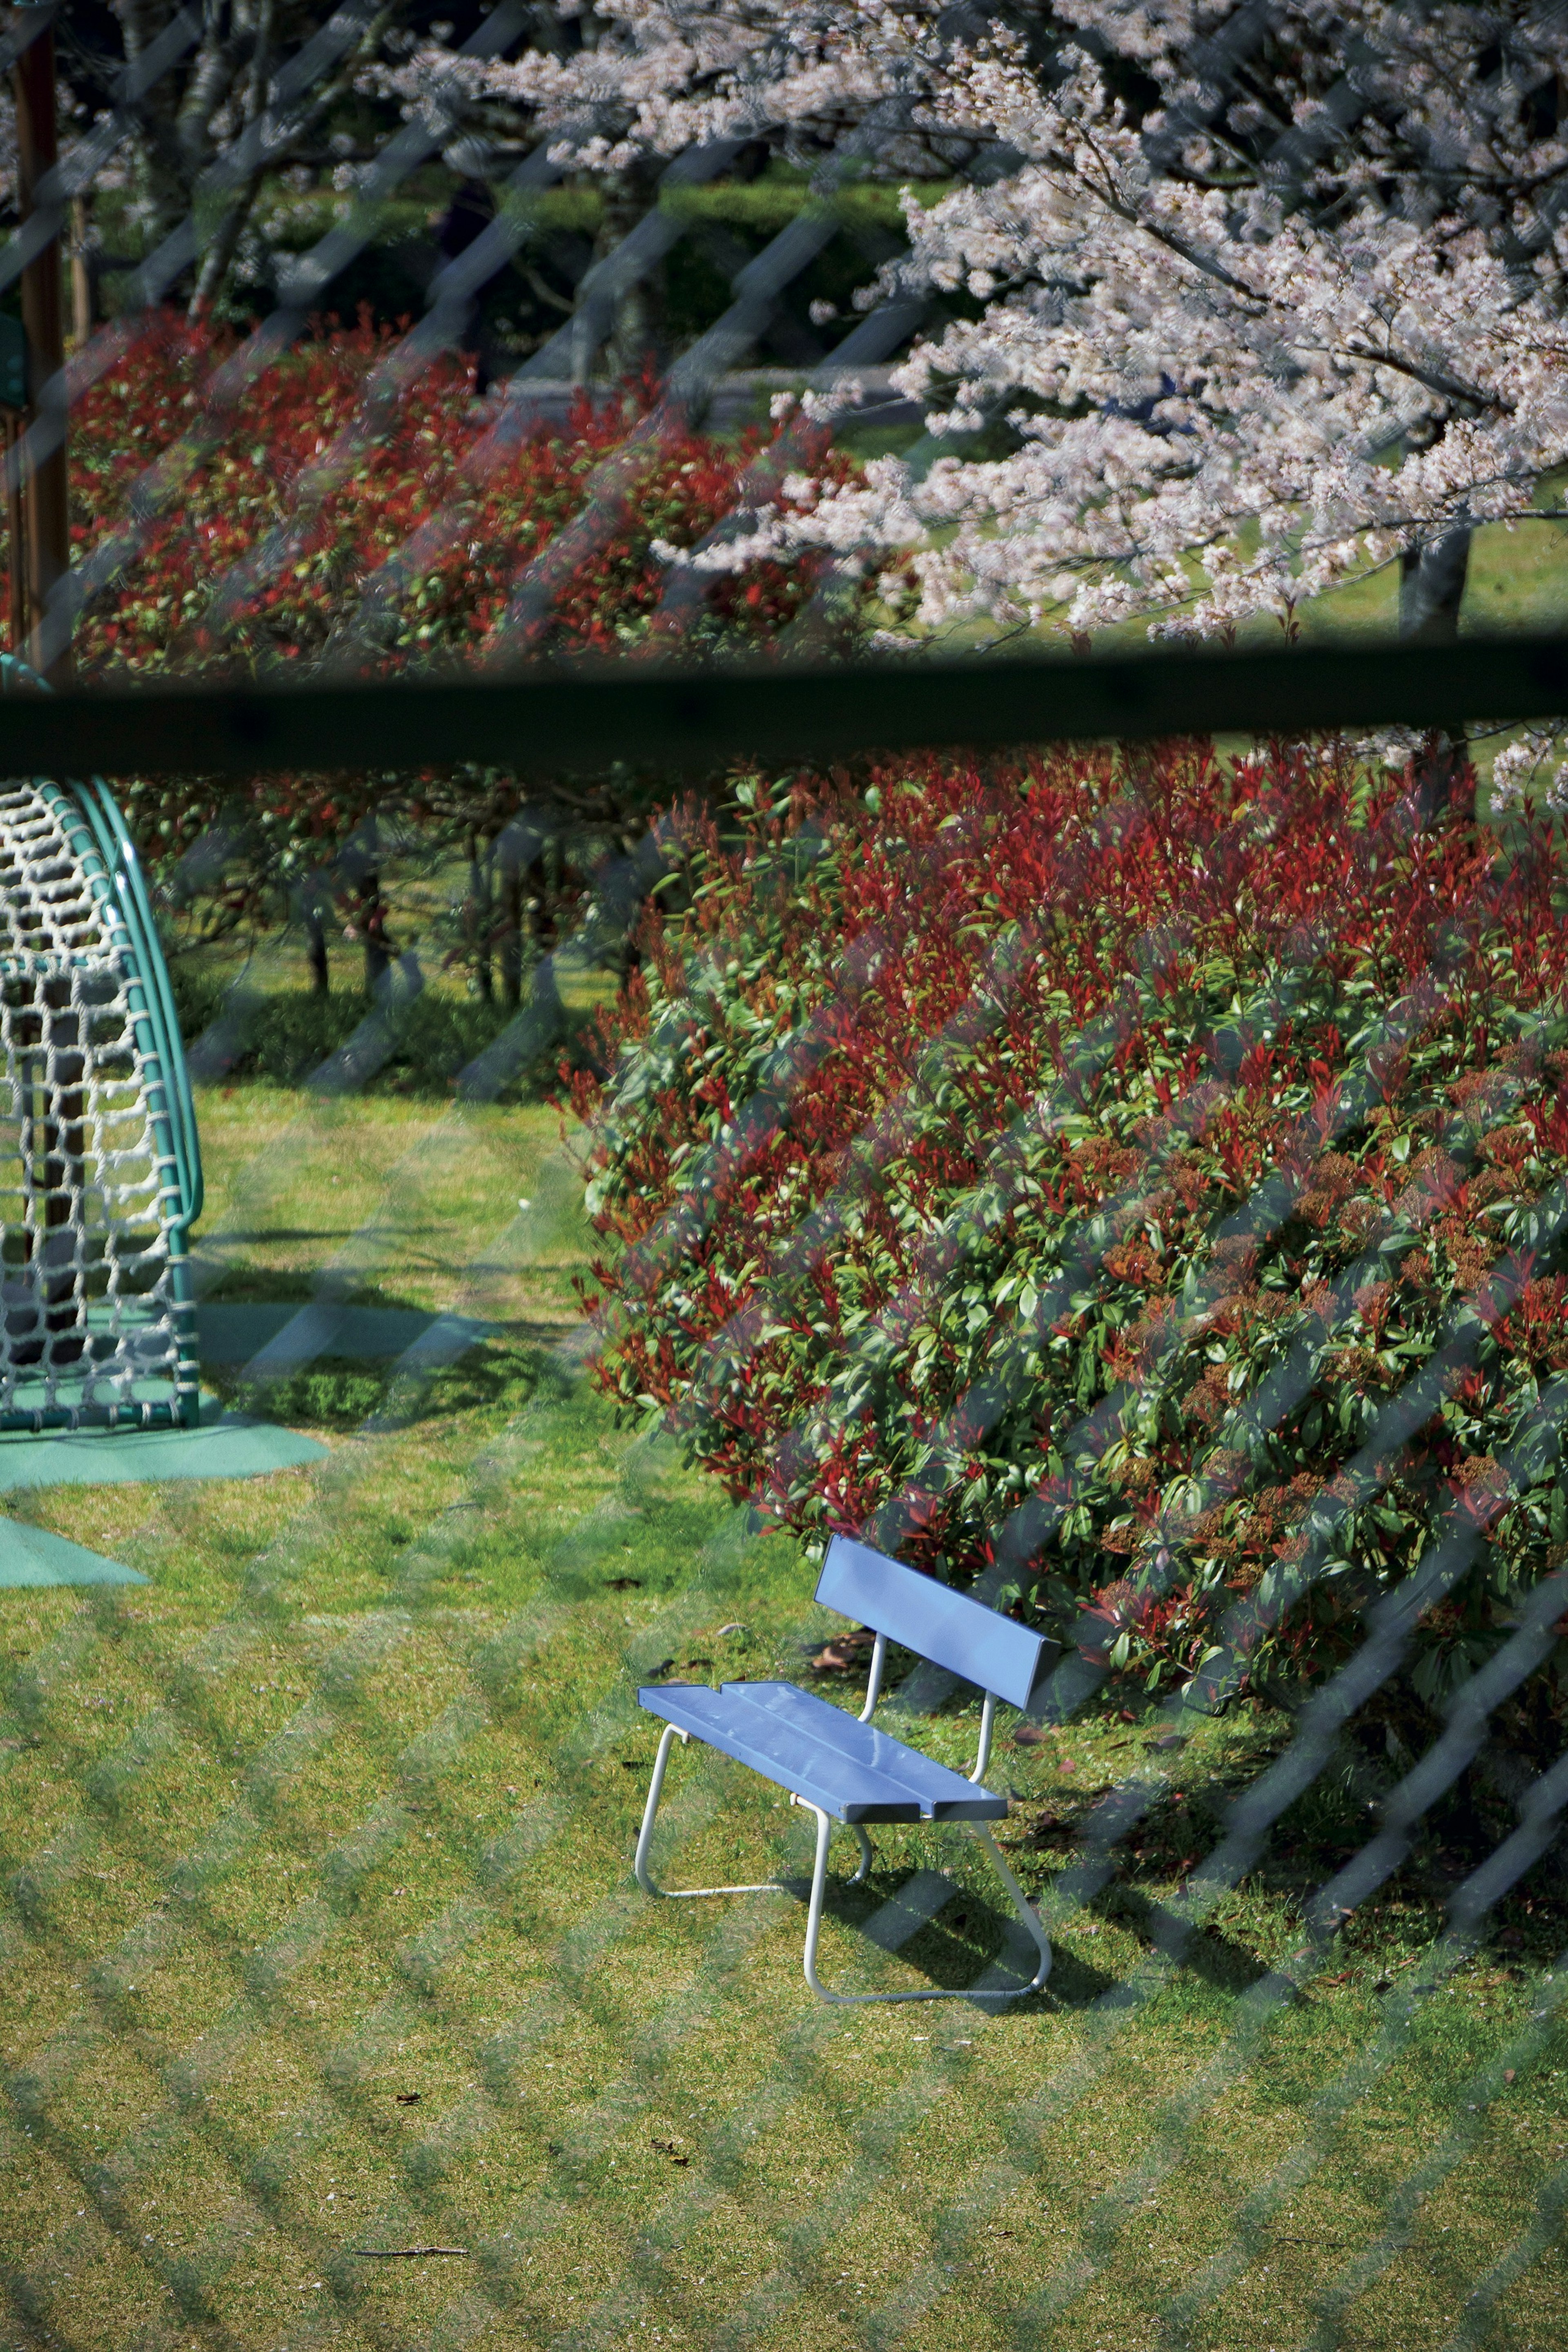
[99, 1167]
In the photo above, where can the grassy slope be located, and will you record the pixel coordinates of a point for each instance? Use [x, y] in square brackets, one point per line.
[320, 1931]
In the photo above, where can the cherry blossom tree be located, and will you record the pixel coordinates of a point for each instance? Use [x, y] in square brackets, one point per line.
[1252, 319]
[1252, 297]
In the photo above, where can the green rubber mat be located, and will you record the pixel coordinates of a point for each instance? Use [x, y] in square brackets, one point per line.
[33, 1556]
[226, 1445]
[282, 1335]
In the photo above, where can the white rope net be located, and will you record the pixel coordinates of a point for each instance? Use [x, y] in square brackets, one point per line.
[87, 1186]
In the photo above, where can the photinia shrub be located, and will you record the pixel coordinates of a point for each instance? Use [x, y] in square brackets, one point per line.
[312, 534]
[181, 603]
[1132, 1182]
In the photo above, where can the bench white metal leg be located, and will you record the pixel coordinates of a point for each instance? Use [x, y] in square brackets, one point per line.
[644, 1839]
[824, 1826]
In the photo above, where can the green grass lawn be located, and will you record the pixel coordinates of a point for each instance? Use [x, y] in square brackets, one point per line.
[320, 1932]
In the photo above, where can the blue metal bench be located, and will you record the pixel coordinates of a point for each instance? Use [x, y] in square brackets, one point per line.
[838, 1765]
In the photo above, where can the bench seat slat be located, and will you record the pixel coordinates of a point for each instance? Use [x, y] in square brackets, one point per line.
[817, 1751]
[944, 1795]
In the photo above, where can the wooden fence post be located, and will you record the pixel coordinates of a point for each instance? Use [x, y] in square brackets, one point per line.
[11, 423]
[43, 322]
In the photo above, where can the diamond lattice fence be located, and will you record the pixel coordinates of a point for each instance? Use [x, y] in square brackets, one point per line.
[332, 2014]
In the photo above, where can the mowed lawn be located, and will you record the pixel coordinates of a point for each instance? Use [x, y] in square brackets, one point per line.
[320, 1932]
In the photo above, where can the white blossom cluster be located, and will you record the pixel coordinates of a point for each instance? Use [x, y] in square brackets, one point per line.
[628, 82]
[1519, 777]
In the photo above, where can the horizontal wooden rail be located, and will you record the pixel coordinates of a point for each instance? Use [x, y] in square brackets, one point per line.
[548, 720]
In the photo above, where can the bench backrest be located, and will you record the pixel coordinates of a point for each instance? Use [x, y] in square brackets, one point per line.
[919, 1613]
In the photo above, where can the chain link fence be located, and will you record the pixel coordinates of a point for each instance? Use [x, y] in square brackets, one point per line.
[333, 2015]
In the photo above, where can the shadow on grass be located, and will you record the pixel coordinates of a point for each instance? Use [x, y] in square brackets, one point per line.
[286, 1036]
[494, 1378]
[253, 1286]
[1310, 1843]
[957, 1938]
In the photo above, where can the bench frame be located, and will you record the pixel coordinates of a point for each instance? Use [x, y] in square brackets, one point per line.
[825, 1825]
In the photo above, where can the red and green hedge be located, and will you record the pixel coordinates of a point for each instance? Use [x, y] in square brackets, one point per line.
[417, 458]
[157, 616]
[1069, 1171]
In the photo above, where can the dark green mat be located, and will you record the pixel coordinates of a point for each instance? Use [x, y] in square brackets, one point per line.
[241, 1332]
[33, 1556]
[226, 1445]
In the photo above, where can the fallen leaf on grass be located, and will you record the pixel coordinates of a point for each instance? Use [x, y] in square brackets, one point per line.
[1171, 1740]
[409, 2098]
[1030, 1735]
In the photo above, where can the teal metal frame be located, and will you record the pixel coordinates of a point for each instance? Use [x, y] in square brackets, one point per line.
[92, 824]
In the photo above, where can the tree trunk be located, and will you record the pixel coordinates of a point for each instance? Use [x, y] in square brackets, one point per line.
[1432, 587]
[45, 492]
[213, 271]
[316, 952]
[11, 429]
[160, 179]
[1431, 590]
[372, 928]
[537, 887]
[215, 262]
[84, 290]
[511, 937]
[478, 923]
[636, 331]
